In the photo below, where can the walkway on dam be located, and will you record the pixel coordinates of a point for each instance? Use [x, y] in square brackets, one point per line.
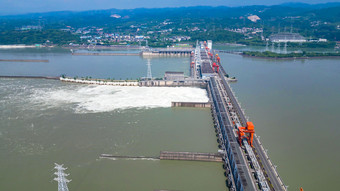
[268, 168]
[248, 166]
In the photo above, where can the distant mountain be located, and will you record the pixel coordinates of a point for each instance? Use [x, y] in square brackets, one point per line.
[307, 19]
[311, 6]
[221, 11]
[296, 5]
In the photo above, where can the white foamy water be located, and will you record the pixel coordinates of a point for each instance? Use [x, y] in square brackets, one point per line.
[15, 46]
[109, 98]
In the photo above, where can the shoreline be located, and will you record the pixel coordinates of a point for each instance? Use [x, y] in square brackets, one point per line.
[22, 60]
[99, 47]
[32, 77]
[289, 58]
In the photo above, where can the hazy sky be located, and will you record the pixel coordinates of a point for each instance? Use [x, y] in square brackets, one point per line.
[30, 6]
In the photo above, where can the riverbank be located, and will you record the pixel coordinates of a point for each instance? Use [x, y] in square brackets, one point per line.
[303, 55]
[22, 60]
[102, 47]
[105, 54]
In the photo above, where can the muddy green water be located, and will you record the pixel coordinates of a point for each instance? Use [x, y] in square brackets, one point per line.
[34, 136]
[295, 106]
[46, 121]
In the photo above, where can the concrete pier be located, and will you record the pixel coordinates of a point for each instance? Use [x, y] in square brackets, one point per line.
[126, 157]
[167, 52]
[105, 54]
[101, 81]
[169, 155]
[170, 83]
[191, 156]
[143, 83]
[191, 104]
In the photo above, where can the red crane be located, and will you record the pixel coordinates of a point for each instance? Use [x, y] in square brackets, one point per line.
[246, 133]
[218, 59]
[216, 67]
[192, 64]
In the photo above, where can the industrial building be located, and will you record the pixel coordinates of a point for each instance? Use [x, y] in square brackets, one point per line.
[206, 70]
[209, 42]
[174, 76]
[287, 37]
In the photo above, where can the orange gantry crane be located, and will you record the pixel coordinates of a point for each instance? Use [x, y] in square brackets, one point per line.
[218, 59]
[246, 133]
[216, 67]
[192, 64]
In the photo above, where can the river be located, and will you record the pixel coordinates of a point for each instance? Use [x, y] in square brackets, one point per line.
[294, 105]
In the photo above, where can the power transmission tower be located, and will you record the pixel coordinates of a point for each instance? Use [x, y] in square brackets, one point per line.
[285, 47]
[149, 74]
[61, 177]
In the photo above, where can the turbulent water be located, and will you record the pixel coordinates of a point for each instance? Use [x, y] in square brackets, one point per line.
[93, 98]
[47, 121]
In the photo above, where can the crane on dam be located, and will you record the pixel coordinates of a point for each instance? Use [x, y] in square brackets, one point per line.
[247, 164]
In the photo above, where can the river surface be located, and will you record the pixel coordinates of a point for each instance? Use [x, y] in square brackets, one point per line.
[294, 104]
[295, 107]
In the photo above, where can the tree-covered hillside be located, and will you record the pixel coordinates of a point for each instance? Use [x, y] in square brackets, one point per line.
[311, 21]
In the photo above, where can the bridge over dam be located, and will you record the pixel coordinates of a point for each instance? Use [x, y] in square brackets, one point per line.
[246, 162]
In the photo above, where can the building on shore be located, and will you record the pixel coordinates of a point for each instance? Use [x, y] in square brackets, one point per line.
[287, 37]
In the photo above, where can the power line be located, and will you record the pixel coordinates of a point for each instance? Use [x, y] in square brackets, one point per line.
[149, 74]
